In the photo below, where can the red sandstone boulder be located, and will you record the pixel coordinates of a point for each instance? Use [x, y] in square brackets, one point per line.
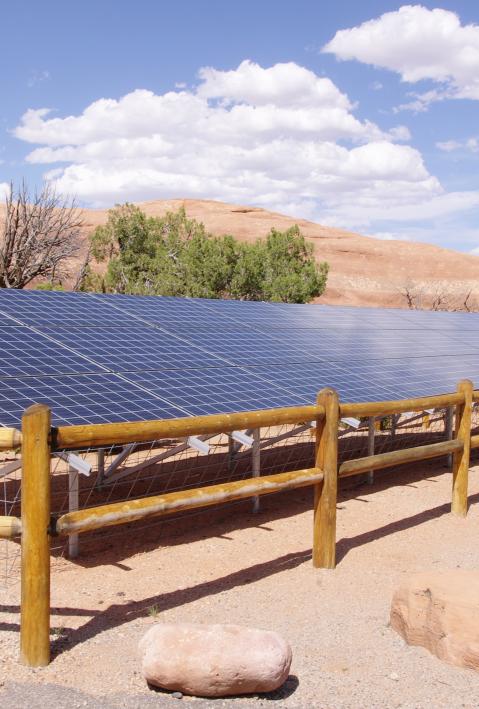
[214, 660]
[440, 611]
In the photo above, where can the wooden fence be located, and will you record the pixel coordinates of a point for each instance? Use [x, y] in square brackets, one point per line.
[38, 439]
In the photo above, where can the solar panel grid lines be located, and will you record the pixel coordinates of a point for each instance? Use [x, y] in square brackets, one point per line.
[442, 320]
[212, 391]
[415, 377]
[166, 311]
[56, 307]
[243, 347]
[305, 383]
[137, 348]
[82, 399]
[192, 356]
[25, 352]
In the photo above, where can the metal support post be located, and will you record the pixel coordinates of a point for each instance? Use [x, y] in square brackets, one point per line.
[256, 462]
[449, 429]
[73, 505]
[371, 435]
[100, 457]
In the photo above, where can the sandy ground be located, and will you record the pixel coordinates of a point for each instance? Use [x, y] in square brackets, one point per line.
[256, 570]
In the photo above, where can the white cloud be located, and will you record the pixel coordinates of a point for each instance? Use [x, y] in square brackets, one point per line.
[418, 44]
[470, 144]
[449, 145]
[409, 209]
[38, 77]
[282, 138]
[280, 85]
[4, 190]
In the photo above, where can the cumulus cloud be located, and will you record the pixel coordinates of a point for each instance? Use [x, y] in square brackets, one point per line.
[418, 44]
[278, 137]
[4, 190]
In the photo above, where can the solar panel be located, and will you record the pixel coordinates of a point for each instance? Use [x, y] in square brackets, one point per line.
[344, 344]
[58, 308]
[183, 313]
[243, 347]
[304, 383]
[127, 349]
[415, 377]
[438, 320]
[97, 358]
[82, 399]
[26, 352]
[215, 390]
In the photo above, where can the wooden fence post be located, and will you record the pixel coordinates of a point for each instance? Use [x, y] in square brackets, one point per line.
[35, 594]
[460, 470]
[325, 493]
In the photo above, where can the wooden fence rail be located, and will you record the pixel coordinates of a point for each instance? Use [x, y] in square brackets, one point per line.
[38, 439]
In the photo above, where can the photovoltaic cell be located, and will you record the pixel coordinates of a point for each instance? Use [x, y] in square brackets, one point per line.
[58, 308]
[214, 391]
[82, 399]
[181, 313]
[129, 349]
[24, 352]
[305, 382]
[96, 358]
[344, 344]
[243, 347]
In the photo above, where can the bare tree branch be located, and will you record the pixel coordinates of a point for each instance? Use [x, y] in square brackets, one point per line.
[40, 234]
[441, 295]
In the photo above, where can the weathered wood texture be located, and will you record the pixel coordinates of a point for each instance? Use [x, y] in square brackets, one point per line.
[325, 497]
[407, 455]
[475, 441]
[35, 593]
[169, 503]
[10, 439]
[104, 434]
[10, 527]
[460, 467]
[400, 406]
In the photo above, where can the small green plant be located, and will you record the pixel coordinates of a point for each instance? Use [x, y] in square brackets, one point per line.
[58, 632]
[153, 611]
[48, 285]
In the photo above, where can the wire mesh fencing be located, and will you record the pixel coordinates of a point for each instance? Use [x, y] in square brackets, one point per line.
[94, 477]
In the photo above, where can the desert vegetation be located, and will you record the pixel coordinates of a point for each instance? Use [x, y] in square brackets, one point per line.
[174, 255]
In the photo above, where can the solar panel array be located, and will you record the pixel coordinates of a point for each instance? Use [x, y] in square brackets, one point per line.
[104, 358]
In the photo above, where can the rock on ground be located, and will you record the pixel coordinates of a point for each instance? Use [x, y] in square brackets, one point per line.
[440, 611]
[214, 660]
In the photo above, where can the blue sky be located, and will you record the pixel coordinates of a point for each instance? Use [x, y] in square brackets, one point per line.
[358, 115]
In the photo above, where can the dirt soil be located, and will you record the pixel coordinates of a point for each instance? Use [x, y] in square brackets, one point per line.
[256, 570]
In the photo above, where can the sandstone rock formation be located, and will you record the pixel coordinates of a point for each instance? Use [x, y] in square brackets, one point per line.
[214, 660]
[440, 611]
[364, 270]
